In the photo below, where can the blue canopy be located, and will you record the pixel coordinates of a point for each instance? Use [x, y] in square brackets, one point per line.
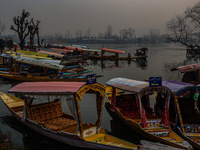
[181, 88]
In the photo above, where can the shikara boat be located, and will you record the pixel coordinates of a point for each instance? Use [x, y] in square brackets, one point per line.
[25, 53]
[52, 54]
[190, 73]
[141, 53]
[116, 53]
[43, 111]
[184, 111]
[29, 69]
[131, 101]
[6, 62]
[192, 53]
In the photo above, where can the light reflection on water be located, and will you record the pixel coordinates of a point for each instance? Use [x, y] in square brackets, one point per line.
[161, 58]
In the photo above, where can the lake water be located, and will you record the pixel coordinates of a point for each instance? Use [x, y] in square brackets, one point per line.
[161, 58]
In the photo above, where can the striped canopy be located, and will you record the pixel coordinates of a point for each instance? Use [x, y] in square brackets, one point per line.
[187, 68]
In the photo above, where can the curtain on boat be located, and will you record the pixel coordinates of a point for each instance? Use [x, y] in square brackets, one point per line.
[69, 99]
[72, 106]
[50, 97]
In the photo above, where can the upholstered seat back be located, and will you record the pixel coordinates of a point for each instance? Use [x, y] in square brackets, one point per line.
[45, 111]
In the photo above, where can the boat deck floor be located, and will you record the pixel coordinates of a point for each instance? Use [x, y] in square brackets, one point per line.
[109, 140]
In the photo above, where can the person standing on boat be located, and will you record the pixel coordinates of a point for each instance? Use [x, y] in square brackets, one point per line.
[76, 51]
[1, 45]
[129, 56]
[15, 47]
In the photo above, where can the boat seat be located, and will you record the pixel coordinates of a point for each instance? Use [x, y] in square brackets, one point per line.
[60, 123]
[51, 116]
[130, 114]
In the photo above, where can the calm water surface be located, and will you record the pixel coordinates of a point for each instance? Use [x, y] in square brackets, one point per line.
[161, 58]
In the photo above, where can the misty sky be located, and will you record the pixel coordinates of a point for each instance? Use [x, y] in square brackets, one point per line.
[59, 16]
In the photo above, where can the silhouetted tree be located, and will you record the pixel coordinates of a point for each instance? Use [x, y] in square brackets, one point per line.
[130, 32]
[153, 36]
[88, 33]
[123, 33]
[2, 27]
[127, 33]
[78, 34]
[185, 29]
[22, 27]
[34, 29]
[109, 31]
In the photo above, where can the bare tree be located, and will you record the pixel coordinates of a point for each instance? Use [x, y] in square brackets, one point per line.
[34, 29]
[109, 31]
[2, 27]
[21, 28]
[130, 32]
[88, 33]
[124, 33]
[185, 29]
[78, 34]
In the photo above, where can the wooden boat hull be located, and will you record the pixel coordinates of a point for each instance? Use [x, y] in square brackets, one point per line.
[110, 57]
[193, 143]
[137, 128]
[67, 138]
[6, 75]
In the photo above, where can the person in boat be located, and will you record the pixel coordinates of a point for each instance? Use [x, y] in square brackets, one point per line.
[129, 56]
[116, 55]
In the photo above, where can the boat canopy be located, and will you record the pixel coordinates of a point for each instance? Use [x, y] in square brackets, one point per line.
[64, 50]
[5, 55]
[91, 50]
[73, 48]
[39, 62]
[140, 87]
[113, 50]
[181, 88]
[187, 68]
[57, 54]
[30, 89]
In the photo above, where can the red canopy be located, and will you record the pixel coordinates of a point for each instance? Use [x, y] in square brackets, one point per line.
[64, 50]
[47, 87]
[73, 48]
[187, 68]
[112, 50]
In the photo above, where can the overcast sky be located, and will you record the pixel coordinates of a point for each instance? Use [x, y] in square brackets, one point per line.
[59, 16]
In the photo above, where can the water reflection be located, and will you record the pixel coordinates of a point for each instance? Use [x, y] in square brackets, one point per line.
[32, 140]
[141, 63]
[108, 64]
[115, 64]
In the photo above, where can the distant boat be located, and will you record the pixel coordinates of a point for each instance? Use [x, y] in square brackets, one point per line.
[190, 73]
[141, 53]
[116, 53]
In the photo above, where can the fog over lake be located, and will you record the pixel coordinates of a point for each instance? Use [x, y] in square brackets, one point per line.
[60, 16]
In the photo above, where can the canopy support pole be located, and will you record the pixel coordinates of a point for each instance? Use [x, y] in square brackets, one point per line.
[179, 113]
